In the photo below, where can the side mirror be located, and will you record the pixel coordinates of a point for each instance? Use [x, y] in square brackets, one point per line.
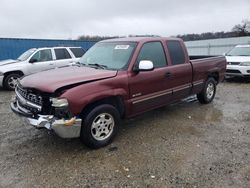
[33, 60]
[224, 54]
[146, 65]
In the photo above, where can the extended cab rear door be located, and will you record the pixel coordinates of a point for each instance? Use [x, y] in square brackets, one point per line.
[180, 69]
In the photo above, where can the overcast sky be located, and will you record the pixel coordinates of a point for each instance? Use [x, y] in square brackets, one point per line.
[61, 19]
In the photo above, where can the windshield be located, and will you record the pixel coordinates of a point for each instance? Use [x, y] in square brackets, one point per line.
[239, 51]
[26, 55]
[109, 55]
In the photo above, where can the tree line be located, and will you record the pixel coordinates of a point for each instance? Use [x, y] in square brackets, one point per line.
[239, 30]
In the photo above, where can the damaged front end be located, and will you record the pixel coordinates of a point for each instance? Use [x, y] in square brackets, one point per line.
[44, 111]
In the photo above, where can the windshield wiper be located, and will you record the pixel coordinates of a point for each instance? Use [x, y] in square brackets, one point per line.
[78, 64]
[98, 65]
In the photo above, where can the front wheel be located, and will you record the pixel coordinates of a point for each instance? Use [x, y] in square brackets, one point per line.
[208, 92]
[100, 126]
[10, 81]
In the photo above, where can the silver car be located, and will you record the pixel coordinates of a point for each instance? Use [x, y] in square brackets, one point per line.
[36, 60]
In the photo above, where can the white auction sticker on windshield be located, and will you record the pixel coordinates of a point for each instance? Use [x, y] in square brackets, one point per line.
[121, 47]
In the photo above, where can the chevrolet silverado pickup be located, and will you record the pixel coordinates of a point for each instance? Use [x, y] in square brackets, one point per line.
[115, 79]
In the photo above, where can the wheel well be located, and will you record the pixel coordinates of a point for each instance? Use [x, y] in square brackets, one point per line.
[115, 101]
[13, 72]
[214, 75]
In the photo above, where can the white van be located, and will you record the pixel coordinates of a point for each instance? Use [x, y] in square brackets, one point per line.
[36, 60]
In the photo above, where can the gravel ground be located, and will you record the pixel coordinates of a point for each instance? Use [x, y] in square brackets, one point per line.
[181, 145]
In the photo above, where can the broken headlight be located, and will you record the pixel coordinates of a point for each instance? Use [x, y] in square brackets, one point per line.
[59, 102]
[61, 108]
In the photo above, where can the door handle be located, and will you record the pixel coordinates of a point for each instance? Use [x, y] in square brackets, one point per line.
[167, 74]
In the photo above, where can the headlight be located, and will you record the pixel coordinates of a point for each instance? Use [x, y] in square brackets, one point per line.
[57, 102]
[245, 63]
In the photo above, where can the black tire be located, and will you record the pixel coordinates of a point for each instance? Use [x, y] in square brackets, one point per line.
[208, 92]
[8, 82]
[102, 114]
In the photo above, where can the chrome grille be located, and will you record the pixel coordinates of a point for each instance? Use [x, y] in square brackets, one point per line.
[29, 96]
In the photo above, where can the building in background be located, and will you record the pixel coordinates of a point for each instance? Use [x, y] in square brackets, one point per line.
[214, 46]
[12, 48]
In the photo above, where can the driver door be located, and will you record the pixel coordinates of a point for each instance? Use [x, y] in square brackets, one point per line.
[42, 60]
[150, 89]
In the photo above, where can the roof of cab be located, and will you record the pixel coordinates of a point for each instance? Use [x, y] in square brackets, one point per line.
[140, 39]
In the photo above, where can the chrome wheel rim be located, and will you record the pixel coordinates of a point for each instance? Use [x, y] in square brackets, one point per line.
[102, 126]
[210, 90]
[12, 82]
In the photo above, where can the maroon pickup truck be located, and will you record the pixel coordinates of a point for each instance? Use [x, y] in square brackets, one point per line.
[115, 79]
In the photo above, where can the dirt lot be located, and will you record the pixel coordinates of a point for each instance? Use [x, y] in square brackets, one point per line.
[182, 145]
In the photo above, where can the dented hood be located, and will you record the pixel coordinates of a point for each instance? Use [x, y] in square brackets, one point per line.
[50, 81]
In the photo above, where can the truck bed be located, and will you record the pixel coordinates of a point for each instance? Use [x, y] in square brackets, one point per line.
[205, 65]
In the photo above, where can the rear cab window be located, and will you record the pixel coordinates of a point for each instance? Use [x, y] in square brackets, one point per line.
[62, 53]
[153, 51]
[78, 52]
[176, 52]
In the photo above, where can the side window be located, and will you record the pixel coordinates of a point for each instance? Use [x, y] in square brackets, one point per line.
[176, 52]
[154, 52]
[78, 52]
[62, 53]
[42, 55]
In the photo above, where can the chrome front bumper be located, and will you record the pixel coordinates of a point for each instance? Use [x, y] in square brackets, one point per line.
[63, 128]
[59, 126]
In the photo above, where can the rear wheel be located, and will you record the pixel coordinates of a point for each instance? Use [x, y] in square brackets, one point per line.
[208, 92]
[100, 126]
[10, 81]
